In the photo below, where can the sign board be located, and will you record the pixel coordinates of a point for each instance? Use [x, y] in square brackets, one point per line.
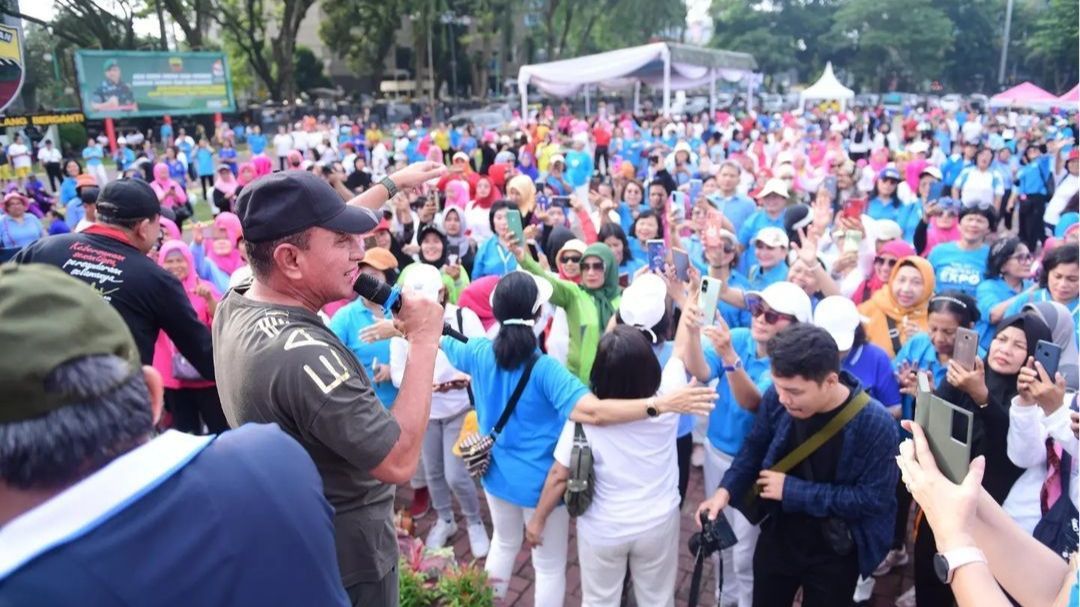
[41, 120]
[12, 64]
[124, 84]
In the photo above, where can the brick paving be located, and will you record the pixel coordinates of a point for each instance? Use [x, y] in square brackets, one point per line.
[520, 594]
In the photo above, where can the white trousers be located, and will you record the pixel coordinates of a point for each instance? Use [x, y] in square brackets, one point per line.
[548, 559]
[654, 562]
[738, 560]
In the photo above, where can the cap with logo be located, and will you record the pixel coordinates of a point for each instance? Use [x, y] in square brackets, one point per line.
[128, 199]
[53, 318]
[288, 202]
[889, 173]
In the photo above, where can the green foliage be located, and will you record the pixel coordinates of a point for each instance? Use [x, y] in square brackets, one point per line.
[893, 46]
[1053, 43]
[362, 31]
[414, 588]
[309, 71]
[72, 136]
[465, 586]
[567, 28]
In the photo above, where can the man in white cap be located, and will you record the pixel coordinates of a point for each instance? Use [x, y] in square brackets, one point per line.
[738, 359]
[772, 198]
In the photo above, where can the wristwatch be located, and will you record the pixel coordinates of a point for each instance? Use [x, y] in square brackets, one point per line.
[946, 563]
[650, 407]
[391, 187]
[737, 365]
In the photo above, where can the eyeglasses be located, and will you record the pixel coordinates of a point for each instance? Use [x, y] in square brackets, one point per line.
[593, 265]
[888, 261]
[1022, 257]
[570, 259]
[759, 309]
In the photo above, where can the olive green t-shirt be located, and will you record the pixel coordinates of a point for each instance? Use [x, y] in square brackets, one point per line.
[281, 364]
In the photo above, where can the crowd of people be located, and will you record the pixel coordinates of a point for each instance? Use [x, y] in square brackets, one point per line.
[715, 291]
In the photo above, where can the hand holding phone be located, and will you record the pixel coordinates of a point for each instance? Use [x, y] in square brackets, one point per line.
[966, 348]
[681, 261]
[657, 255]
[854, 208]
[515, 227]
[1049, 356]
[708, 298]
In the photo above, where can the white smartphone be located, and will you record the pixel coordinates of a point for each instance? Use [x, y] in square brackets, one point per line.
[708, 299]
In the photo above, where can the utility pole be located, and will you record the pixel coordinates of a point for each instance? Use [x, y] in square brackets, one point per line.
[1005, 42]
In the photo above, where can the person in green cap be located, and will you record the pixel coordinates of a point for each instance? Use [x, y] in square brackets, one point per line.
[589, 306]
[95, 510]
[113, 93]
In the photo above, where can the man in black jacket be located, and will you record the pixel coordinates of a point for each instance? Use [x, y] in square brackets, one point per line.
[111, 256]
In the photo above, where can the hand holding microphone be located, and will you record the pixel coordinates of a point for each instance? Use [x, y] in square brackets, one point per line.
[418, 316]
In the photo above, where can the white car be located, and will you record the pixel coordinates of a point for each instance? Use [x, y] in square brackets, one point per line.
[951, 103]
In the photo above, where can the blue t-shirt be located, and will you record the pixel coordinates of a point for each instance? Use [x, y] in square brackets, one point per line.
[16, 235]
[579, 167]
[493, 259]
[759, 279]
[919, 353]
[93, 155]
[524, 452]
[347, 324]
[737, 208]
[1032, 177]
[991, 292]
[733, 316]
[257, 143]
[1044, 295]
[908, 217]
[879, 209]
[871, 365]
[750, 228]
[729, 423]
[955, 268]
[228, 156]
[67, 190]
[204, 161]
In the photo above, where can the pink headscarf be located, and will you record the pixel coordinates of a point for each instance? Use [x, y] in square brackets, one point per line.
[227, 185]
[293, 159]
[164, 348]
[457, 194]
[435, 154]
[262, 165]
[171, 230]
[246, 174]
[477, 297]
[229, 262]
[163, 184]
[936, 236]
[878, 159]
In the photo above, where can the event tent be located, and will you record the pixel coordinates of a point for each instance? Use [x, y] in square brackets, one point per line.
[1070, 99]
[1025, 95]
[827, 88]
[665, 65]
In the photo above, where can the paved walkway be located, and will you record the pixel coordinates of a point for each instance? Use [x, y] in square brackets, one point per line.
[520, 594]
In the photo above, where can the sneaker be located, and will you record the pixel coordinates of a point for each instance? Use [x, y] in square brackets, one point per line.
[441, 533]
[863, 589]
[697, 456]
[907, 599]
[478, 540]
[421, 503]
[894, 559]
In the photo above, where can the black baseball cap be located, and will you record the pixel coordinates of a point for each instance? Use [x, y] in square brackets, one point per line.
[128, 199]
[288, 202]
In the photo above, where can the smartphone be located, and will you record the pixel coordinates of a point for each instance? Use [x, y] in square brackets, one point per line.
[948, 429]
[370, 242]
[966, 348]
[708, 298]
[830, 184]
[624, 280]
[677, 200]
[1049, 355]
[563, 201]
[513, 223]
[854, 208]
[452, 259]
[852, 240]
[657, 255]
[542, 202]
[695, 190]
[681, 261]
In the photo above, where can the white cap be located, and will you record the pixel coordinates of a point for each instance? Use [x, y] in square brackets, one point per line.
[643, 302]
[557, 158]
[932, 171]
[840, 318]
[683, 146]
[786, 298]
[774, 186]
[887, 229]
[919, 147]
[772, 236]
[424, 280]
[461, 156]
[785, 157]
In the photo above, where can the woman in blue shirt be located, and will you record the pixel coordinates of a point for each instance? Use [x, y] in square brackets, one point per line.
[1032, 191]
[961, 265]
[884, 203]
[1008, 268]
[17, 227]
[1059, 281]
[523, 453]
[630, 259]
[633, 195]
[67, 186]
[350, 322]
[493, 258]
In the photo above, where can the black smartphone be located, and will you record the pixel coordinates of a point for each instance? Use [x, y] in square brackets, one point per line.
[1049, 356]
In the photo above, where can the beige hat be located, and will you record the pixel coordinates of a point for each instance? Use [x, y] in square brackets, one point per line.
[772, 236]
[774, 186]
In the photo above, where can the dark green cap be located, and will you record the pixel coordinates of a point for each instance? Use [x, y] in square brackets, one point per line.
[111, 63]
[48, 318]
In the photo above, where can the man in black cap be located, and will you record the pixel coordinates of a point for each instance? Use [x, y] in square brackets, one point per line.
[279, 363]
[94, 510]
[110, 255]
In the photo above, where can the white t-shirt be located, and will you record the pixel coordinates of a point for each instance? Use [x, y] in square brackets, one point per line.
[636, 470]
[19, 155]
[282, 144]
[978, 188]
[1065, 189]
[443, 404]
[45, 155]
[971, 130]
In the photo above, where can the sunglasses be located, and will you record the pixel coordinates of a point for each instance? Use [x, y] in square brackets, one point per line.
[570, 259]
[888, 261]
[759, 309]
[593, 265]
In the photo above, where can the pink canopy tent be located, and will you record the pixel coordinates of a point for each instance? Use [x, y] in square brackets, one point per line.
[1023, 95]
[1070, 99]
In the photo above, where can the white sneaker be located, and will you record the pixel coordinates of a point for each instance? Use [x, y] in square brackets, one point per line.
[893, 559]
[479, 543]
[863, 589]
[441, 533]
[907, 599]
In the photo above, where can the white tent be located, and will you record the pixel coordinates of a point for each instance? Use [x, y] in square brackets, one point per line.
[827, 88]
[664, 65]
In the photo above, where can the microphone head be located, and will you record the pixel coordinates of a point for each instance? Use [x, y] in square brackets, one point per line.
[372, 289]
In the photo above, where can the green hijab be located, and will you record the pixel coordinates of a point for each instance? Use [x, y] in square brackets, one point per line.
[604, 297]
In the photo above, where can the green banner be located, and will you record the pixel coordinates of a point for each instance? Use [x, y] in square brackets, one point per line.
[123, 84]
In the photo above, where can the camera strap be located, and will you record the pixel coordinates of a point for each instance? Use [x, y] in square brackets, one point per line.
[695, 577]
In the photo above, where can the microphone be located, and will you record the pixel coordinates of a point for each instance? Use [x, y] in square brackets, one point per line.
[375, 290]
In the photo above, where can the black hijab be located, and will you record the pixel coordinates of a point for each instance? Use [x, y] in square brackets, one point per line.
[441, 261]
[991, 431]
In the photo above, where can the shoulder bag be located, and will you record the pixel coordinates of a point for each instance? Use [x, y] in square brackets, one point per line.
[476, 448]
[582, 482]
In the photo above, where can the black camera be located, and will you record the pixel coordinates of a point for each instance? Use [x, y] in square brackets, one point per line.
[714, 535]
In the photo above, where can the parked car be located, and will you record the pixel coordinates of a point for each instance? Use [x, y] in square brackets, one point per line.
[979, 102]
[480, 119]
[951, 102]
[771, 102]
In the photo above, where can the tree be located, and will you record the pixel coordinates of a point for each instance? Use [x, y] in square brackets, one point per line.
[247, 24]
[972, 63]
[88, 24]
[1053, 41]
[309, 71]
[193, 17]
[567, 28]
[362, 31]
[891, 47]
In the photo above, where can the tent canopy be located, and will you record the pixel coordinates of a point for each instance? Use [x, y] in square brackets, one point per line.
[665, 65]
[1069, 99]
[827, 88]
[1023, 95]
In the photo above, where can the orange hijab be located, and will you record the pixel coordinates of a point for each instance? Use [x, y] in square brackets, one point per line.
[882, 307]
